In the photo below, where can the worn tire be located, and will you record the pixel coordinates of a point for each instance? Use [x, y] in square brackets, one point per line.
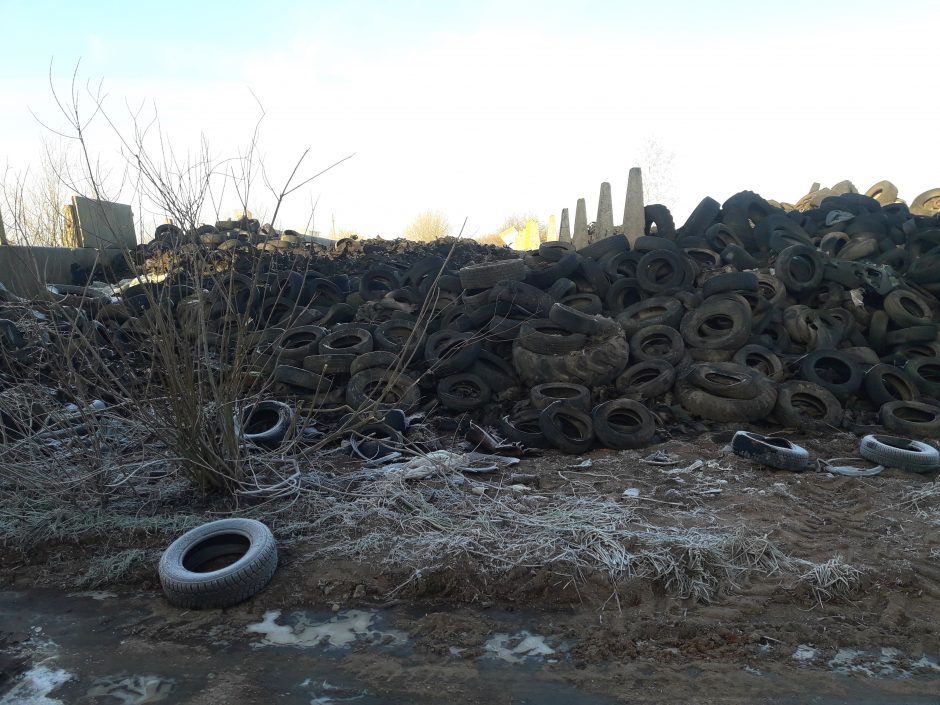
[776, 453]
[657, 343]
[524, 428]
[623, 424]
[568, 429]
[887, 383]
[715, 408]
[575, 395]
[486, 276]
[185, 587]
[646, 380]
[802, 404]
[903, 453]
[911, 418]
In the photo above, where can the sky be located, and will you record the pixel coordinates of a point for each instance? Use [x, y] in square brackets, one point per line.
[482, 109]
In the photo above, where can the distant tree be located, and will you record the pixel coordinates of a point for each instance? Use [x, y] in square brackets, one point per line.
[658, 179]
[428, 226]
[33, 201]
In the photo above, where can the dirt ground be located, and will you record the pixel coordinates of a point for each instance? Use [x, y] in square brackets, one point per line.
[857, 619]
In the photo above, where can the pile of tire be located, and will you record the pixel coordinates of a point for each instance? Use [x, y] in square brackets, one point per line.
[749, 312]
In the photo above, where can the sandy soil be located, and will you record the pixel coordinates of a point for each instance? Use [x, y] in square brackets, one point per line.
[639, 642]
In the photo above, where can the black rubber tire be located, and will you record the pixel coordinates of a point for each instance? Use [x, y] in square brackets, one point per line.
[348, 341]
[562, 269]
[658, 214]
[524, 428]
[799, 282]
[394, 334]
[574, 395]
[185, 587]
[337, 364]
[833, 370]
[495, 371]
[762, 359]
[449, 392]
[613, 243]
[403, 394]
[733, 332]
[541, 335]
[376, 282]
[623, 424]
[727, 380]
[646, 380]
[554, 250]
[772, 452]
[903, 453]
[297, 343]
[732, 281]
[275, 419]
[715, 408]
[925, 373]
[568, 429]
[907, 309]
[914, 334]
[526, 296]
[575, 321]
[595, 276]
[589, 304]
[911, 418]
[705, 213]
[301, 378]
[658, 310]
[650, 243]
[383, 359]
[622, 294]
[649, 271]
[657, 343]
[562, 288]
[449, 352]
[374, 440]
[805, 405]
[488, 275]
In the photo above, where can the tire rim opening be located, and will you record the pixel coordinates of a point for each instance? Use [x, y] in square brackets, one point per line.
[216, 552]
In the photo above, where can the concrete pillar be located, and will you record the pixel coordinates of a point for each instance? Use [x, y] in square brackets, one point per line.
[634, 219]
[3, 232]
[604, 226]
[551, 230]
[580, 237]
[564, 230]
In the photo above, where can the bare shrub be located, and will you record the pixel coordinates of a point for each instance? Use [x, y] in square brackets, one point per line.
[427, 227]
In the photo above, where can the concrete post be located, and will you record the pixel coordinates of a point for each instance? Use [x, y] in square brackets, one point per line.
[551, 230]
[604, 227]
[564, 230]
[3, 232]
[580, 237]
[634, 219]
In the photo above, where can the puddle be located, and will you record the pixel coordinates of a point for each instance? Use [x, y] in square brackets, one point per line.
[343, 629]
[328, 694]
[132, 690]
[885, 663]
[804, 653]
[518, 647]
[34, 686]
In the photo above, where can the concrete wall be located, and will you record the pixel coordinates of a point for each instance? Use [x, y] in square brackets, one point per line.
[26, 270]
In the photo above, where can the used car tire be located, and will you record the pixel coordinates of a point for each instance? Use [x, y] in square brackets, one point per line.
[903, 453]
[186, 585]
[773, 452]
[576, 395]
[802, 404]
[623, 424]
[568, 429]
[911, 418]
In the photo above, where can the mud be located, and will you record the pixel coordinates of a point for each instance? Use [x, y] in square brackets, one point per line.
[331, 631]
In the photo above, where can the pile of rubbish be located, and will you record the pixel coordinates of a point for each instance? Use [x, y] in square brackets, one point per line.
[819, 315]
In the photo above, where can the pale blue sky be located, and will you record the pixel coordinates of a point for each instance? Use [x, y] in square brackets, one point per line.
[483, 109]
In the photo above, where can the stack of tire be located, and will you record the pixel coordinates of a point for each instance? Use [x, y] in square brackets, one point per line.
[749, 312]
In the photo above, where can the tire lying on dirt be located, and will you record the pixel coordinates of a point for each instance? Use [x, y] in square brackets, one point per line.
[912, 418]
[187, 572]
[903, 453]
[597, 363]
[773, 452]
[717, 408]
[265, 423]
[567, 428]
